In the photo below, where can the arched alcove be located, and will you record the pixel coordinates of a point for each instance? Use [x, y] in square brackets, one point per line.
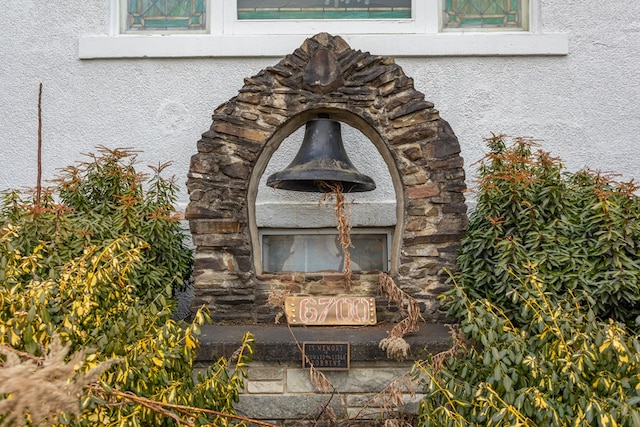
[363, 155]
[317, 214]
[369, 93]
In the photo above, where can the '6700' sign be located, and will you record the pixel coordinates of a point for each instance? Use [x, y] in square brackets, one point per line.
[330, 310]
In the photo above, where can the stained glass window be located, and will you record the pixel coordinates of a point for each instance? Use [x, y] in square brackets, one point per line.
[165, 15]
[324, 9]
[508, 14]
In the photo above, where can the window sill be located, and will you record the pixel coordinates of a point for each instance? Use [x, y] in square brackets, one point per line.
[398, 45]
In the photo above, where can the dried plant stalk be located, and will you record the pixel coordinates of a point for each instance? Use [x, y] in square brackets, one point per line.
[394, 344]
[322, 384]
[391, 398]
[165, 408]
[319, 379]
[344, 227]
[276, 298]
[459, 346]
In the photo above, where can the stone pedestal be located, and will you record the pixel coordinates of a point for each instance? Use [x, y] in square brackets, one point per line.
[278, 390]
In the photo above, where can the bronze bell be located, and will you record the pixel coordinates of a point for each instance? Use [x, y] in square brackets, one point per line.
[321, 158]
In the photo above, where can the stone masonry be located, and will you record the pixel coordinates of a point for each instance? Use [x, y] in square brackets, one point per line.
[280, 391]
[368, 92]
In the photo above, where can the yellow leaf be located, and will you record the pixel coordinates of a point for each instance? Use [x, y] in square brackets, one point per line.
[157, 361]
[14, 338]
[189, 342]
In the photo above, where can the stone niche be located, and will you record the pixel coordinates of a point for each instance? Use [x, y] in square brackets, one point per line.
[367, 92]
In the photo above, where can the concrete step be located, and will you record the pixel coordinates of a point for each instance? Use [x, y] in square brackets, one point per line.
[280, 342]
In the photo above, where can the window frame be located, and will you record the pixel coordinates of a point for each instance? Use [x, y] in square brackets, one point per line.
[382, 231]
[229, 37]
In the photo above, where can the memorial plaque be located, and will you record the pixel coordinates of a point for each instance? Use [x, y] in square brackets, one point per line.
[326, 355]
[330, 310]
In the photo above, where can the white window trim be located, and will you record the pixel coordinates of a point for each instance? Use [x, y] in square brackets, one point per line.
[231, 38]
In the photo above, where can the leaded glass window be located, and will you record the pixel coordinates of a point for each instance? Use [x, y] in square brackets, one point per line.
[491, 14]
[323, 9]
[165, 15]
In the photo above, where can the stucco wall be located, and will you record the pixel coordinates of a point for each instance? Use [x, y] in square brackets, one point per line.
[583, 106]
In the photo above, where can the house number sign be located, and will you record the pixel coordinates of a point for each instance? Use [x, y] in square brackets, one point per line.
[330, 310]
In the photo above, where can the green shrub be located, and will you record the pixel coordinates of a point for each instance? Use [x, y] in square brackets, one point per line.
[92, 305]
[97, 270]
[100, 200]
[562, 367]
[581, 230]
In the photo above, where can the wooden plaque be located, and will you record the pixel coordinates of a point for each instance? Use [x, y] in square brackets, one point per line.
[333, 356]
[330, 310]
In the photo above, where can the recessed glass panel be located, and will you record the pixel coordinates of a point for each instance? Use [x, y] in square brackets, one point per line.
[323, 9]
[322, 252]
[165, 15]
[491, 14]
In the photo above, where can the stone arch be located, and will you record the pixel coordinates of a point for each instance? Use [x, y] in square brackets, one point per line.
[372, 94]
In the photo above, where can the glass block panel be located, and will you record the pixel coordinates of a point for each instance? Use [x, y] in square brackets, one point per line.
[166, 15]
[323, 9]
[322, 252]
[507, 14]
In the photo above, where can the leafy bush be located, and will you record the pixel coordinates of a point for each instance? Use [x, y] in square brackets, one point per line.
[100, 200]
[97, 271]
[546, 295]
[562, 367]
[581, 230]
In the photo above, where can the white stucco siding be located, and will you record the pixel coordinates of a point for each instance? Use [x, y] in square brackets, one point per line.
[584, 107]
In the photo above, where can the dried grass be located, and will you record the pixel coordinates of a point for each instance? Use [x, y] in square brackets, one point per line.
[343, 220]
[25, 379]
[459, 346]
[323, 385]
[394, 344]
[276, 298]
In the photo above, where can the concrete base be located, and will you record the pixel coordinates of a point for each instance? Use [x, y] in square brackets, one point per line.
[278, 390]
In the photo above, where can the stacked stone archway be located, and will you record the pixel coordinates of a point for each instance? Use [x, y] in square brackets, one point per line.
[368, 92]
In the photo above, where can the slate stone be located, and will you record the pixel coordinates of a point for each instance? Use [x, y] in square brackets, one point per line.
[344, 82]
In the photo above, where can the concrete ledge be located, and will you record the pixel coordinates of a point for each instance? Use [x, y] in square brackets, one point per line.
[277, 342]
[499, 43]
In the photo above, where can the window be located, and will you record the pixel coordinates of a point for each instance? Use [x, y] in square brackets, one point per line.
[242, 28]
[164, 15]
[323, 9]
[485, 14]
[190, 15]
[314, 250]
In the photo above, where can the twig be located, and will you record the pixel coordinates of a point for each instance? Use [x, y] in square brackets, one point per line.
[37, 360]
[159, 407]
[39, 177]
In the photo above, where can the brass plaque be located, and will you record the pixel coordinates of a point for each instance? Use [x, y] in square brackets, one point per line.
[333, 356]
[330, 310]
